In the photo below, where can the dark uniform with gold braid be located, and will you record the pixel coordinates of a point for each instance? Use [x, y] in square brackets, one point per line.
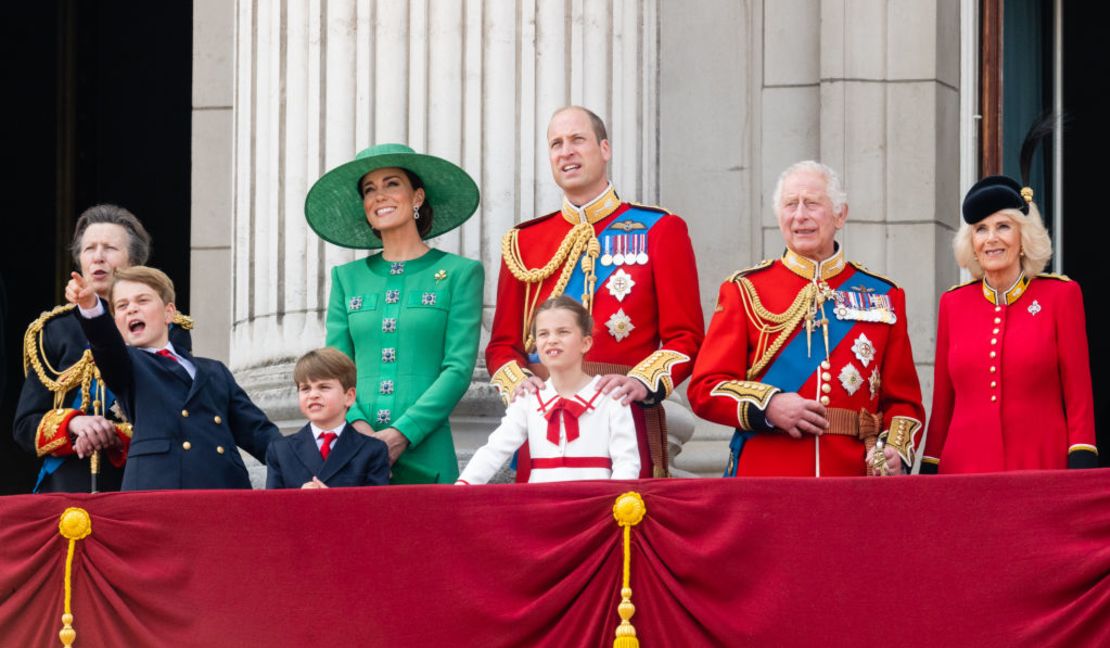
[62, 381]
[829, 331]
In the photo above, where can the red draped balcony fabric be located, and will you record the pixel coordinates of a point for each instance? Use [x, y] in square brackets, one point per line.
[1018, 559]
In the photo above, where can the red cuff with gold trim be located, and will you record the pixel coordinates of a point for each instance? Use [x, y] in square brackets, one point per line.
[52, 436]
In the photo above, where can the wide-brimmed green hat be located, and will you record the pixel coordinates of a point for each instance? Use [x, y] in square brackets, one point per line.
[334, 207]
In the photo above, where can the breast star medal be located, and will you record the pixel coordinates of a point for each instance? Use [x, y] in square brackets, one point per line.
[620, 284]
[864, 349]
[850, 378]
[619, 325]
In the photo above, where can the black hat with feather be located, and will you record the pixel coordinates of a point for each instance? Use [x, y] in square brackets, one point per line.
[995, 193]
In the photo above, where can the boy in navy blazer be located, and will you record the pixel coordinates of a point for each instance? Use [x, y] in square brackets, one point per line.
[327, 451]
[188, 413]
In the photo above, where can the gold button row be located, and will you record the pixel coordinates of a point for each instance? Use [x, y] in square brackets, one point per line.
[189, 446]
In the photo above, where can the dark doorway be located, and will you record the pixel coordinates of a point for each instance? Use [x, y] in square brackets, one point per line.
[99, 110]
[1086, 224]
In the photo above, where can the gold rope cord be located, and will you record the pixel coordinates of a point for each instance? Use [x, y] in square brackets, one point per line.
[74, 524]
[80, 373]
[770, 323]
[578, 241]
[628, 511]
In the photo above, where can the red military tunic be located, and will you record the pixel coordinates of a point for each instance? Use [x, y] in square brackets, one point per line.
[757, 337]
[647, 314]
[1013, 379]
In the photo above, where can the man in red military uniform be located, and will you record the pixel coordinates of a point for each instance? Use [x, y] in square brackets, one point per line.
[632, 265]
[807, 356]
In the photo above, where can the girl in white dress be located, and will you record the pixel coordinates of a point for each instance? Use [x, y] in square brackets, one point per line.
[573, 431]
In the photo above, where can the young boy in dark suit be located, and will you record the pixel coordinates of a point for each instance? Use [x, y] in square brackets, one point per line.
[327, 451]
[188, 413]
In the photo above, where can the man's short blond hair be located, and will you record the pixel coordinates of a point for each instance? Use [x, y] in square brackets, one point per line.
[151, 277]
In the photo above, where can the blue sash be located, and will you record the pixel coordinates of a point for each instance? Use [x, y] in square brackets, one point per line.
[793, 366]
[576, 285]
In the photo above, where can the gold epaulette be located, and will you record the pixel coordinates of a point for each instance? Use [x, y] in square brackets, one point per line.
[863, 268]
[966, 283]
[183, 320]
[1053, 275]
[31, 338]
[766, 263]
[657, 208]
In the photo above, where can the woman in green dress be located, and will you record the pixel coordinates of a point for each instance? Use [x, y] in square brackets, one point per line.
[410, 316]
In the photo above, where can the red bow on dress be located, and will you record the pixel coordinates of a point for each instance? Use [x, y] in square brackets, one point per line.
[568, 411]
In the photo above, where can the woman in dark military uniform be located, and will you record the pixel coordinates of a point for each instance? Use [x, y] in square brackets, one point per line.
[65, 415]
[1012, 386]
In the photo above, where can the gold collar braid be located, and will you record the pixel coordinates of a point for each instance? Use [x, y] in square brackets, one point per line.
[1008, 296]
[814, 270]
[579, 243]
[594, 211]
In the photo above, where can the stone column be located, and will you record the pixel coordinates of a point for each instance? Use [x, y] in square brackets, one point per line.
[889, 122]
[867, 86]
[472, 81]
[210, 203]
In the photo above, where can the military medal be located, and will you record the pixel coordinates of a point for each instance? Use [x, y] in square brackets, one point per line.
[863, 307]
[607, 258]
[620, 284]
[642, 257]
[618, 258]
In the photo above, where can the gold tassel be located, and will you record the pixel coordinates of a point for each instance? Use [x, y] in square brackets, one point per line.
[75, 525]
[628, 510]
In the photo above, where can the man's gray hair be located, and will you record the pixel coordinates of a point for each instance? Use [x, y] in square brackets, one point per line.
[833, 188]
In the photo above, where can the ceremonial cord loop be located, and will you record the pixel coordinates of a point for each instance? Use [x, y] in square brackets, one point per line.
[769, 323]
[579, 243]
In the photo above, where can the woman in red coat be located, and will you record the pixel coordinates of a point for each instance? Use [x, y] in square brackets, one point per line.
[1012, 388]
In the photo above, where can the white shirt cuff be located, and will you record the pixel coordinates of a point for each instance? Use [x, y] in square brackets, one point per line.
[95, 311]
